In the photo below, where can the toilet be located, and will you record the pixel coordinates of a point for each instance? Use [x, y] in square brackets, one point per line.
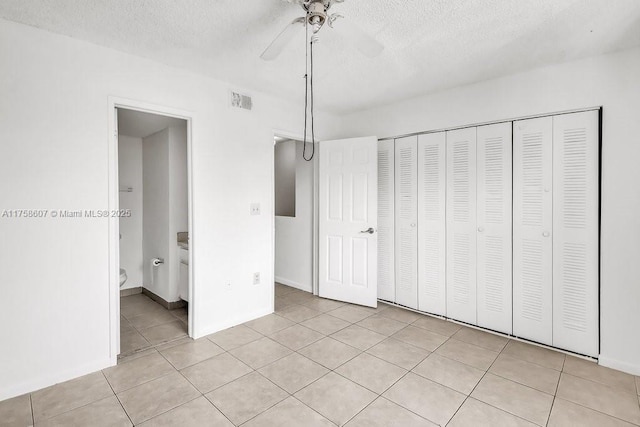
[123, 276]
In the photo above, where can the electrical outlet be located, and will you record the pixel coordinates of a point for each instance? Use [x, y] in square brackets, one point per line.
[256, 278]
[255, 209]
[228, 286]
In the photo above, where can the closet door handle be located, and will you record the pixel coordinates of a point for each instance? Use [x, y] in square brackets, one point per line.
[413, 224]
[480, 229]
[545, 234]
[369, 230]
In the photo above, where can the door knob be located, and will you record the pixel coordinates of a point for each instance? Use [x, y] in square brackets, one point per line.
[369, 230]
[481, 229]
[545, 234]
[413, 224]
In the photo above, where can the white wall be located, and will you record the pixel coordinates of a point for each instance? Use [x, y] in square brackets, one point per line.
[130, 175]
[156, 203]
[294, 235]
[54, 155]
[611, 81]
[178, 203]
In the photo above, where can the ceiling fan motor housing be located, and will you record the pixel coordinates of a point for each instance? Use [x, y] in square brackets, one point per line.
[317, 14]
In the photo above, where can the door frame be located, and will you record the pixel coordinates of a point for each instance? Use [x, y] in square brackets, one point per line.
[314, 239]
[113, 204]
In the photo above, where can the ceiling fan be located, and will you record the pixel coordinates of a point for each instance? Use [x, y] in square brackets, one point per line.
[317, 14]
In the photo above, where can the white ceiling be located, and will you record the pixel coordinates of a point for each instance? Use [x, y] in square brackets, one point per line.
[430, 44]
[140, 125]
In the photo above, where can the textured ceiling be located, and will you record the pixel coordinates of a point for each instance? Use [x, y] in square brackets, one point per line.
[140, 125]
[430, 44]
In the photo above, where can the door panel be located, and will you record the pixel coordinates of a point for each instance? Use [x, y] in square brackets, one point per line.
[461, 225]
[348, 207]
[432, 223]
[494, 227]
[406, 221]
[575, 226]
[386, 221]
[532, 229]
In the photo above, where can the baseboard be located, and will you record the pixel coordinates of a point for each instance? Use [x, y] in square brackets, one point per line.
[630, 368]
[56, 378]
[300, 286]
[231, 323]
[130, 291]
[166, 304]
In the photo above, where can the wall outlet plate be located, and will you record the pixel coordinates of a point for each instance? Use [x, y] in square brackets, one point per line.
[256, 278]
[255, 208]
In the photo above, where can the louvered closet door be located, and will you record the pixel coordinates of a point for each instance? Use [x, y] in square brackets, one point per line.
[386, 225]
[532, 229]
[406, 221]
[494, 227]
[575, 225]
[461, 225]
[432, 223]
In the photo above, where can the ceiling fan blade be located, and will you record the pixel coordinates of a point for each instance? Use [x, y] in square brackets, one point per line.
[362, 41]
[277, 46]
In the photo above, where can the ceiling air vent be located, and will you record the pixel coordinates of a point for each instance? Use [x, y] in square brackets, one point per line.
[239, 100]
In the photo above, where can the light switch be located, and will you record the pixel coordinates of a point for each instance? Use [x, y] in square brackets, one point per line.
[255, 208]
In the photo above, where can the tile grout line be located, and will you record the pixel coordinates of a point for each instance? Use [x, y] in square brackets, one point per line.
[33, 417]
[117, 398]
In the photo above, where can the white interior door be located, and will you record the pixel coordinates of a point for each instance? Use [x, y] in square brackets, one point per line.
[348, 241]
[494, 227]
[432, 188]
[386, 221]
[406, 260]
[575, 230]
[461, 225]
[532, 229]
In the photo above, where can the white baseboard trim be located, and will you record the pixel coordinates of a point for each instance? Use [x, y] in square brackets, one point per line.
[306, 288]
[228, 323]
[55, 378]
[630, 368]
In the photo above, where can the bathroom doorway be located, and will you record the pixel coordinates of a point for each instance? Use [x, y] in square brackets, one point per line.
[153, 223]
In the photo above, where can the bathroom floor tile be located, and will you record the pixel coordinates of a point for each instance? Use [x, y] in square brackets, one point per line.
[154, 318]
[104, 413]
[69, 395]
[165, 332]
[293, 372]
[156, 397]
[215, 372]
[132, 341]
[16, 411]
[190, 353]
[234, 337]
[132, 373]
[260, 353]
[336, 398]
[325, 324]
[329, 353]
[517, 399]
[197, 413]
[289, 413]
[426, 398]
[399, 353]
[384, 413]
[258, 394]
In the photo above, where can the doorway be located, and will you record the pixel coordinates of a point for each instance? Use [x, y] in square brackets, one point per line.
[294, 217]
[151, 229]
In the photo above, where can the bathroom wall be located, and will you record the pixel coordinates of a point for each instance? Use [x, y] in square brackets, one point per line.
[294, 235]
[164, 169]
[130, 175]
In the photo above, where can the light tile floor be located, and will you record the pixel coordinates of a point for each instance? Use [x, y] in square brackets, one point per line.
[323, 363]
[144, 324]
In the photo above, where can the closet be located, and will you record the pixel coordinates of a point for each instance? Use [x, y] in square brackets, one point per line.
[496, 226]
